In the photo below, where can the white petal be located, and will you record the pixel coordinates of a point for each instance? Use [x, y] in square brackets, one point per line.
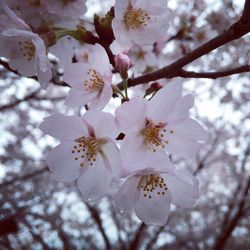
[103, 123]
[79, 98]
[136, 156]
[62, 163]
[131, 115]
[44, 78]
[111, 154]
[183, 187]
[164, 101]
[102, 98]
[121, 34]
[181, 110]
[95, 181]
[127, 195]
[75, 74]
[153, 211]
[98, 59]
[191, 129]
[64, 127]
[182, 146]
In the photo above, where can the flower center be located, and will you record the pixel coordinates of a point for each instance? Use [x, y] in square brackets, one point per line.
[95, 82]
[86, 149]
[140, 54]
[155, 135]
[28, 49]
[150, 183]
[135, 19]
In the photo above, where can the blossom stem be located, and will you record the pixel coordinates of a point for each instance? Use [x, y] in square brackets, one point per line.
[125, 86]
[118, 91]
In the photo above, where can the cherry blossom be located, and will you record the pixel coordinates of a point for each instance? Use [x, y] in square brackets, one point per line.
[25, 49]
[87, 151]
[149, 194]
[90, 82]
[140, 22]
[159, 125]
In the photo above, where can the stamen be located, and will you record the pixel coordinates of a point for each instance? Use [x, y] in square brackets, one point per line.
[135, 19]
[95, 83]
[86, 149]
[28, 49]
[149, 183]
[155, 135]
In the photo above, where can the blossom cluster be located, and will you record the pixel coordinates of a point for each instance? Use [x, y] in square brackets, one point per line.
[128, 155]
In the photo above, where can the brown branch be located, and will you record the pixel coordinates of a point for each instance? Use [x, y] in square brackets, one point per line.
[16, 102]
[226, 232]
[24, 177]
[136, 242]
[237, 30]
[7, 66]
[214, 75]
[95, 215]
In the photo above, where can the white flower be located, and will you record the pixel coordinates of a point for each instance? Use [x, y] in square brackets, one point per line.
[87, 151]
[90, 82]
[159, 125]
[140, 21]
[149, 193]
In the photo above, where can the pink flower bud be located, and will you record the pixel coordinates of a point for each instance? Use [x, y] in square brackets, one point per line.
[122, 64]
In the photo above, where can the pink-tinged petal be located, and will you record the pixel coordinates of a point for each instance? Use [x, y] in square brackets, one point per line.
[44, 78]
[103, 123]
[40, 53]
[181, 110]
[64, 127]
[120, 8]
[13, 16]
[17, 32]
[103, 98]
[63, 50]
[62, 163]
[182, 146]
[163, 101]
[183, 187]
[112, 158]
[75, 74]
[94, 183]
[146, 36]
[5, 43]
[153, 211]
[78, 98]
[191, 129]
[127, 195]
[130, 115]
[136, 156]
[98, 54]
[121, 34]
[24, 67]
[157, 7]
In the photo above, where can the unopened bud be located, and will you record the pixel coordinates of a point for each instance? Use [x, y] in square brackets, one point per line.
[122, 64]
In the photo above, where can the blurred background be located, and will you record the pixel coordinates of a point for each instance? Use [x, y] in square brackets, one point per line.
[37, 212]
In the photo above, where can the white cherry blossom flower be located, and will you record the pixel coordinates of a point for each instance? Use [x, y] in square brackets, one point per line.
[87, 151]
[159, 125]
[140, 21]
[149, 194]
[90, 82]
[25, 49]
